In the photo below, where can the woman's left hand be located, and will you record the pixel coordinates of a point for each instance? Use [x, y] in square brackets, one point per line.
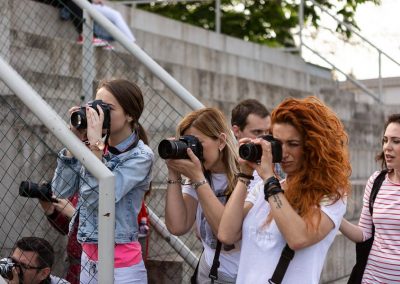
[190, 168]
[94, 124]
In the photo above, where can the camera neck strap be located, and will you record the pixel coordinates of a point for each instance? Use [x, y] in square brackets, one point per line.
[283, 264]
[215, 265]
[116, 151]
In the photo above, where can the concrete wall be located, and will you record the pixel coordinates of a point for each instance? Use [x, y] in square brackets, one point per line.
[217, 69]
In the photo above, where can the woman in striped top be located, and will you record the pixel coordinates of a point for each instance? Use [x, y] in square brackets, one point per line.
[383, 264]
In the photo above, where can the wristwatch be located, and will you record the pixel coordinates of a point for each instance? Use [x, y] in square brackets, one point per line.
[98, 146]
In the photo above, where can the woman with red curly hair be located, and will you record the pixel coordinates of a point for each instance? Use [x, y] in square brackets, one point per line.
[297, 217]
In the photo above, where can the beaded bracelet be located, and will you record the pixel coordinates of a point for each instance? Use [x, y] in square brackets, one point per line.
[198, 183]
[272, 186]
[171, 181]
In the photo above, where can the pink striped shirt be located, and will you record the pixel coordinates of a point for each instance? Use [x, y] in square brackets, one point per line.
[384, 259]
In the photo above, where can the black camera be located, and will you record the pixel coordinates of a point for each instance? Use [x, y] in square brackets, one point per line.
[176, 149]
[6, 265]
[33, 190]
[253, 152]
[78, 118]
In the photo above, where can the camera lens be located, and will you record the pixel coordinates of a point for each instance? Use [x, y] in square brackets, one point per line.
[78, 119]
[168, 149]
[250, 152]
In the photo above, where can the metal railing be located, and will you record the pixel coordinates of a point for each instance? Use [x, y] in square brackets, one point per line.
[354, 32]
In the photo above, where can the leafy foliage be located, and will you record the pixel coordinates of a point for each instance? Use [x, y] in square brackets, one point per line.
[269, 22]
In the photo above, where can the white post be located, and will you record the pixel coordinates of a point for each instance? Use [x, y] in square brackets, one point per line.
[301, 24]
[218, 16]
[88, 70]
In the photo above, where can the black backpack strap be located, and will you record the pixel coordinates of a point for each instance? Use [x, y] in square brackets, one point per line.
[280, 270]
[375, 189]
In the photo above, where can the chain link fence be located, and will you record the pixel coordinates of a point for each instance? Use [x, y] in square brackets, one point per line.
[43, 48]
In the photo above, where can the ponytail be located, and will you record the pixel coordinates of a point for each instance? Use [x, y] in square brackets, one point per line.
[142, 134]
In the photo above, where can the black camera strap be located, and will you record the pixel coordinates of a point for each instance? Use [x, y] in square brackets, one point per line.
[115, 151]
[283, 264]
[215, 265]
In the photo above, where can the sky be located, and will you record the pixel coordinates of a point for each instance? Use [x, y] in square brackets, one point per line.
[378, 24]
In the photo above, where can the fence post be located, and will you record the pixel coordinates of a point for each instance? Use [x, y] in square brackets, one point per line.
[87, 58]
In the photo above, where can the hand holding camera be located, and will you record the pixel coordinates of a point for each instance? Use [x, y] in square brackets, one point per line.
[252, 152]
[6, 268]
[184, 156]
[41, 191]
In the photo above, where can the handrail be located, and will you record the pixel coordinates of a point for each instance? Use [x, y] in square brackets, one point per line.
[354, 31]
[142, 56]
[105, 177]
[174, 241]
[357, 83]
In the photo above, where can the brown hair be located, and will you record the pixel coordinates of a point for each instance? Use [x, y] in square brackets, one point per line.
[394, 118]
[242, 110]
[211, 122]
[130, 97]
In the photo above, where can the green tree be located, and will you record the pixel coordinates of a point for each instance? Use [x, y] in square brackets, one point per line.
[269, 22]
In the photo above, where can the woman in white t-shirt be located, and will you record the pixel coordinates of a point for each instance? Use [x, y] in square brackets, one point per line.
[201, 198]
[303, 211]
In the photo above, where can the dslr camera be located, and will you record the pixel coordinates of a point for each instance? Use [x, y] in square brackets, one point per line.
[33, 190]
[78, 118]
[253, 152]
[6, 265]
[176, 149]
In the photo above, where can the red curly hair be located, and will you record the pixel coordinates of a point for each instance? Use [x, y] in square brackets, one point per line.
[326, 169]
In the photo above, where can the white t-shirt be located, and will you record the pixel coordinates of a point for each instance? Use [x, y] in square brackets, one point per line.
[229, 257]
[262, 245]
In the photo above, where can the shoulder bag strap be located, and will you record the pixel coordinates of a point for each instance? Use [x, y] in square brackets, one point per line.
[374, 193]
[280, 270]
[375, 188]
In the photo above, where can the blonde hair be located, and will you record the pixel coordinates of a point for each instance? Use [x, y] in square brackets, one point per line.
[211, 122]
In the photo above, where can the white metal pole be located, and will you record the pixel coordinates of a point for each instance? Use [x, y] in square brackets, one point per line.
[88, 69]
[133, 48]
[380, 74]
[301, 24]
[218, 16]
[106, 178]
[174, 241]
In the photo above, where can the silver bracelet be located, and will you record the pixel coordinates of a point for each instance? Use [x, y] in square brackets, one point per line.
[196, 184]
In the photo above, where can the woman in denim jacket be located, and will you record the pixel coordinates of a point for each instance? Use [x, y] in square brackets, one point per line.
[125, 153]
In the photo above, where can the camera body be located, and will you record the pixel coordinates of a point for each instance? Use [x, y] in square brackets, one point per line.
[6, 265]
[33, 190]
[78, 118]
[253, 152]
[176, 149]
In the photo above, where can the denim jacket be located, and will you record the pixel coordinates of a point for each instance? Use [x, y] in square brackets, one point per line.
[132, 170]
